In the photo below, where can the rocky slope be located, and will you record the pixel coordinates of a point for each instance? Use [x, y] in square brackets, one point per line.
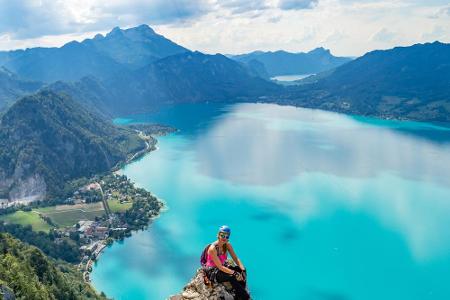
[197, 290]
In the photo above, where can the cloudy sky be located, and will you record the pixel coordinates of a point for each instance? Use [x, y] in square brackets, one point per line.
[347, 27]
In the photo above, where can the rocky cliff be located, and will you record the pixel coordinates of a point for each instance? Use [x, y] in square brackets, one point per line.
[197, 290]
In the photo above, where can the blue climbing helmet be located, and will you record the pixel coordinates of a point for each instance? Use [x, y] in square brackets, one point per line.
[225, 228]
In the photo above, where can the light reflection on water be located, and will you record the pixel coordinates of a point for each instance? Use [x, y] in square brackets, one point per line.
[358, 208]
[269, 145]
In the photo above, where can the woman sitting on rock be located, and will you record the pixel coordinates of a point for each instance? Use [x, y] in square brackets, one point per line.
[218, 270]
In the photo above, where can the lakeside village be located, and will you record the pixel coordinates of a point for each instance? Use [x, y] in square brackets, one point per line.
[133, 209]
[102, 209]
[105, 209]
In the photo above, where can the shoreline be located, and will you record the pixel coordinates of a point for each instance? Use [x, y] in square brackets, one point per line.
[104, 245]
[87, 268]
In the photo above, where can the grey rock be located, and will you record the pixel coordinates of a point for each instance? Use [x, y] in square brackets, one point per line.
[197, 290]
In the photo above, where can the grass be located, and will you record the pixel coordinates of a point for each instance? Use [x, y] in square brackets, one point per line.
[69, 215]
[27, 218]
[116, 206]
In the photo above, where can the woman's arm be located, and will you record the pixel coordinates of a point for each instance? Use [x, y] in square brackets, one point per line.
[212, 251]
[235, 258]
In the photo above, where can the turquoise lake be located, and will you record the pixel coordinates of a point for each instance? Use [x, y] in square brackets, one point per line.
[321, 205]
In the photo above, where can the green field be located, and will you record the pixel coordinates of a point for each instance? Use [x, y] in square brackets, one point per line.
[116, 206]
[69, 215]
[27, 218]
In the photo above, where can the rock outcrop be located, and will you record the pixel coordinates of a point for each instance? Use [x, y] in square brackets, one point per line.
[197, 290]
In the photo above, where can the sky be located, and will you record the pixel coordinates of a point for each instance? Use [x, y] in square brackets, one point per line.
[346, 27]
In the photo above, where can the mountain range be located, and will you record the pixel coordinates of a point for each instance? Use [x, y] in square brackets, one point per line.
[189, 77]
[42, 135]
[102, 56]
[404, 83]
[136, 70]
[132, 70]
[287, 63]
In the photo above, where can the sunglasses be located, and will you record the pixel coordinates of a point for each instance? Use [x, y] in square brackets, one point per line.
[224, 235]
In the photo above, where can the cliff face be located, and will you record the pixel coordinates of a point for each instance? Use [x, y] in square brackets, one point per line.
[29, 189]
[197, 290]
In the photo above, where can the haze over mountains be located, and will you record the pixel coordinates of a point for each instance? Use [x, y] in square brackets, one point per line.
[102, 56]
[43, 135]
[404, 82]
[136, 70]
[286, 63]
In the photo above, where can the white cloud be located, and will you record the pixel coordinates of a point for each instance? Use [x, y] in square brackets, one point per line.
[437, 33]
[347, 27]
[242, 6]
[443, 12]
[383, 35]
[297, 4]
[36, 18]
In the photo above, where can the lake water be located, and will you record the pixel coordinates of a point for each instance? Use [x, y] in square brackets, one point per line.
[321, 205]
[290, 77]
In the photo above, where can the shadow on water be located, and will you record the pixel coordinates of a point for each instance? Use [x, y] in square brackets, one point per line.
[432, 132]
[191, 119]
[158, 245]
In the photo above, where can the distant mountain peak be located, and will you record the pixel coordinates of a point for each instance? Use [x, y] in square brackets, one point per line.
[143, 28]
[281, 62]
[71, 44]
[101, 56]
[320, 50]
[279, 52]
[116, 31]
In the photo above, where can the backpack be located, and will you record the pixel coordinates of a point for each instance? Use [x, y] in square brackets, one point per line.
[204, 256]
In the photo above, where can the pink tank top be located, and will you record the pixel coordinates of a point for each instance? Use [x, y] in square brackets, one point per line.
[222, 258]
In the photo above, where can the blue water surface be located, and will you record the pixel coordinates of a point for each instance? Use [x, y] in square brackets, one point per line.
[321, 205]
